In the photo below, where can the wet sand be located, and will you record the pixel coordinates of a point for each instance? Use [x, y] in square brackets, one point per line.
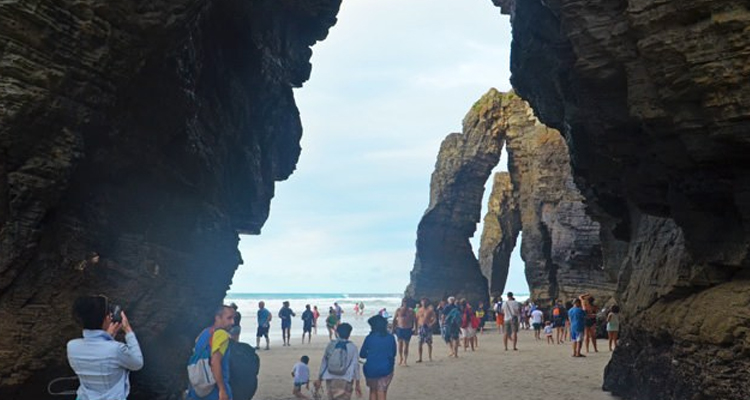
[536, 371]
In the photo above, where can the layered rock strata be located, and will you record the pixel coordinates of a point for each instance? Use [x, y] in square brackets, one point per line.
[654, 101]
[136, 140]
[445, 263]
[560, 244]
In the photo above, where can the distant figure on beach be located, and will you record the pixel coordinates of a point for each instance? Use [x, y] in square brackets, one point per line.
[103, 364]
[316, 315]
[307, 323]
[286, 314]
[481, 313]
[499, 316]
[613, 326]
[405, 323]
[332, 321]
[468, 324]
[217, 338]
[451, 326]
[361, 308]
[340, 367]
[301, 376]
[587, 301]
[548, 332]
[559, 316]
[264, 324]
[512, 314]
[577, 325]
[339, 311]
[379, 349]
[425, 321]
[356, 308]
[537, 319]
[235, 331]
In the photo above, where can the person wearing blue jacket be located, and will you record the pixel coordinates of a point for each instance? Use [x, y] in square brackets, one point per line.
[379, 349]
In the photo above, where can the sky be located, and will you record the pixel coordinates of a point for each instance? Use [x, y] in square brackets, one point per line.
[392, 79]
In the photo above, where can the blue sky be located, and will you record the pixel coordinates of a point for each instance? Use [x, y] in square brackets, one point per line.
[392, 79]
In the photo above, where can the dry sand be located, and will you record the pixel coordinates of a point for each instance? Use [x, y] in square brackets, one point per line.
[536, 371]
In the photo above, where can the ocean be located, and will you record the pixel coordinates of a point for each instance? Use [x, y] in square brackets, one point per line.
[247, 304]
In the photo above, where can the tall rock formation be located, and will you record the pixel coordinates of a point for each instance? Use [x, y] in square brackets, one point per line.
[136, 140]
[560, 244]
[445, 263]
[654, 101]
[501, 226]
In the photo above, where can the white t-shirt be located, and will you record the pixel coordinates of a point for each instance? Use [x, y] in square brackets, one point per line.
[548, 330]
[511, 308]
[537, 316]
[301, 372]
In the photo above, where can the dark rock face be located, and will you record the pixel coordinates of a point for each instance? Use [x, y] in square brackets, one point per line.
[654, 101]
[445, 263]
[150, 133]
[502, 224]
[560, 245]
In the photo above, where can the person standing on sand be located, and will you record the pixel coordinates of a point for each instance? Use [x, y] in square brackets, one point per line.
[217, 338]
[512, 314]
[103, 364]
[307, 323]
[558, 320]
[481, 313]
[499, 316]
[548, 332]
[425, 321]
[577, 325]
[340, 367]
[467, 324]
[316, 315]
[264, 324]
[361, 308]
[451, 322]
[537, 319]
[235, 331]
[332, 322]
[405, 322]
[591, 311]
[339, 311]
[286, 314]
[379, 349]
[613, 326]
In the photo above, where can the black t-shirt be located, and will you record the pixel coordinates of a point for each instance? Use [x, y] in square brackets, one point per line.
[237, 318]
[286, 314]
[307, 317]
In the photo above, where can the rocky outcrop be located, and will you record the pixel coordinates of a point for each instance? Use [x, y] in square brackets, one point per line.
[501, 226]
[136, 140]
[445, 263]
[654, 101]
[560, 244]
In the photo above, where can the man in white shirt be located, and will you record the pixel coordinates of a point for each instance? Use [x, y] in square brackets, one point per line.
[339, 385]
[537, 320]
[103, 364]
[512, 313]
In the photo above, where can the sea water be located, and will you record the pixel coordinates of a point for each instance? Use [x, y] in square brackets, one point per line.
[247, 305]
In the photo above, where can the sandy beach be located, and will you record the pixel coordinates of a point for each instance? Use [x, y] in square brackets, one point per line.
[536, 371]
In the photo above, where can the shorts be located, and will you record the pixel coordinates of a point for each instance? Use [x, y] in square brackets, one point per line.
[576, 336]
[558, 323]
[286, 324]
[262, 332]
[298, 385]
[468, 332]
[499, 319]
[537, 326]
[425, 335]
[511, 326]
[379, 384]
[404, 334]
[235, 331]
[590, 322]
[306, 328]
[450, 333]
[339, 389]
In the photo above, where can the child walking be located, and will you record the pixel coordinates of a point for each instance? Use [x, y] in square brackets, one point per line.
[301, 375]
[548, 332]
[613, 326]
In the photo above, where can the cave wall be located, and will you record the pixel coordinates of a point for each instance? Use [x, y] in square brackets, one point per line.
[653, 99]
[445, 264]
[150, 134]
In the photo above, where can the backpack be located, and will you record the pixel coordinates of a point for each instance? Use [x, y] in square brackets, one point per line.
[454, 317]
[556, 312]
[337, 357]
[199, 366]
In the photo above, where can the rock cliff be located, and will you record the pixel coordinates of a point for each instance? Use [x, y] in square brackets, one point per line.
[137, 139]
[501, 226]
[560, 244]
[654, 101]
[445, 263]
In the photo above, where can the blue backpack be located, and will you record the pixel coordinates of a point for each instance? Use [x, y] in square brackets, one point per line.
[199, 366]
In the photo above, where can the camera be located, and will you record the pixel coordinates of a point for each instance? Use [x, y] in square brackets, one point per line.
[116, 312]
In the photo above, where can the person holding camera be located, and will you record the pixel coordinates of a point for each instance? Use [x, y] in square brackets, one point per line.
[103, 364]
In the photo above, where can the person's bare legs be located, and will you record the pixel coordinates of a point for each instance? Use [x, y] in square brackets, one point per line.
[454, 343]
[593, 338]
[515, 340]
[505, 340]
[429, 354]
[373, 395]
[406, 351]
[400, 352]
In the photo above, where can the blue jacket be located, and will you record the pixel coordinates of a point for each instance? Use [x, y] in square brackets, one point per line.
[380, 352]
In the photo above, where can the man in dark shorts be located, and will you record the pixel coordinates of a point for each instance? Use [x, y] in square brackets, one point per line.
[264, 324]
[286, 314]
[559, 314]
[405, 322]
[451, 326]
[307, 323]
[235, 331]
